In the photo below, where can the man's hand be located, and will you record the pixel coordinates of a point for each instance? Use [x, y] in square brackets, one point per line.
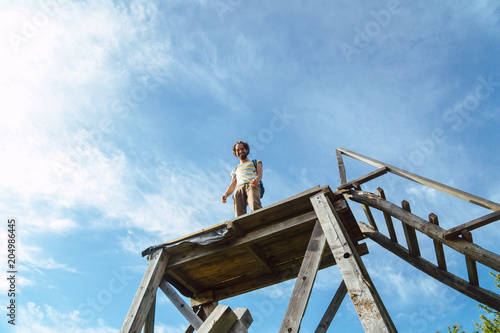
[224, 199]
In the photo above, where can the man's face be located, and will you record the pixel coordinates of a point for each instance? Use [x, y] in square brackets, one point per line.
[241, 152]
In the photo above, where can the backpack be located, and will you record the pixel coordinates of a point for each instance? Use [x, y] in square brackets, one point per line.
[262, 190]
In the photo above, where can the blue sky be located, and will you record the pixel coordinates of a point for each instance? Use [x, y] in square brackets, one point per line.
[118, 118]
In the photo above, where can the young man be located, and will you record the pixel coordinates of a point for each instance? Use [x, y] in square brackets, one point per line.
[244, 181]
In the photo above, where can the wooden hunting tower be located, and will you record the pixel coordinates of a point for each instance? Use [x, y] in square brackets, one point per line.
[293, 239]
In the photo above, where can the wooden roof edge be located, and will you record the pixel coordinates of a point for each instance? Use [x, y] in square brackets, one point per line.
[222, 225]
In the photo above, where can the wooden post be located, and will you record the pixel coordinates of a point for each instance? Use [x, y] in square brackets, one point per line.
[410, 234]
[145, 296]
[367, 210]
[220, 320]
[149, 325]
[340, 161]
[304, 283]
[438, 246]
[369, 306]
[471, 264]
[332, 309]
[388, 219]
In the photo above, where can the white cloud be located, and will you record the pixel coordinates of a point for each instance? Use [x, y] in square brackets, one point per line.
[45, 319]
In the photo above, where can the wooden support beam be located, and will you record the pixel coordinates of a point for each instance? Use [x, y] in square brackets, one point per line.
[367, 211]
[146, 293]
[149, 325]
[424, 181]
[234, 228]
[332, 309]
[479, 294]
[259, 255]
[438, 246]
[388, 219]
[304, 283]
[371, 311]
[244, 321]
[471, 264]
[181, 305]
[203, 312]
[340, 162]
[219, 321]
[184, 280]
[366, 178]
[474, 224]
[410, 234]
[249, 238]
[479, 254]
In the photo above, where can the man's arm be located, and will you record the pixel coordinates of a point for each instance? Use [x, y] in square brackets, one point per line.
[229, 190]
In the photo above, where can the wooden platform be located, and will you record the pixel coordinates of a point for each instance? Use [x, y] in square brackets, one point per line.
[252, 251]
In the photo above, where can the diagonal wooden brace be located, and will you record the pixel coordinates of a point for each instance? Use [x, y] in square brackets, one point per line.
[371, 311]
[146, 293]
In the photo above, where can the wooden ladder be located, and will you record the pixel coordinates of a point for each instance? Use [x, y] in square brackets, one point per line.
[458, 238]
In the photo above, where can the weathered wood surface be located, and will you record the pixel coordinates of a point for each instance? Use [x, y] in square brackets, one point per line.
[181, 305]
[219, 321]
[479, 294]
[244, 321]
[388, 219]
[424, 181]
[476, 252]
[340, 162]
[332, 309]
[366, 178]
[370, 309]
[438, 246]
[149, 325]
[304, 283]
[474, 224]
[410, 234]
[470, 263]
[146, 293]
[367, 211]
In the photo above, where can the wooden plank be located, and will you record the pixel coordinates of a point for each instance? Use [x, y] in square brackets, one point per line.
[474, 224]
[185, 280]
[181, 305]
[219, 321]
[479, 294]
[476, 252]
[471, 264]
[203, 312]
[332, 309]
[368, 212]
[244, 321]
[252, 237]
[410, 234]
[149, 325]
[286, 272]
[438, 246]
[340, 162]
[259, 255]
[425, 181]
[145, 295]
[388, 219]
[304, 283]
[366, 178]
[371, 311]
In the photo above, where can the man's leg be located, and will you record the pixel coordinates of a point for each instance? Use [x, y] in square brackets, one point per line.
[240, 201]
[254, 197]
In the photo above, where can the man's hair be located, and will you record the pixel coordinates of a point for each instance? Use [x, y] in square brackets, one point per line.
[247, 147]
